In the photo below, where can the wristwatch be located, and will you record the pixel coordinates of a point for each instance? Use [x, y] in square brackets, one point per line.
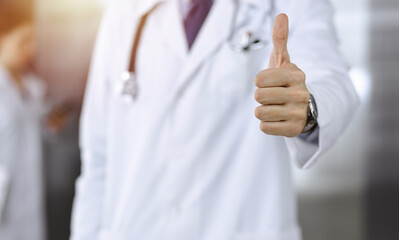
[312, 115]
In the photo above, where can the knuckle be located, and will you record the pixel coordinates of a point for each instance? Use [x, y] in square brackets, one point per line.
[301, 75]
[292, 76]
[299, 96]
[297, 76]
[304, 96]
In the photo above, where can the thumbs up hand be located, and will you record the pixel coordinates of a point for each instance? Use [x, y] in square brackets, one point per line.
[281, 91]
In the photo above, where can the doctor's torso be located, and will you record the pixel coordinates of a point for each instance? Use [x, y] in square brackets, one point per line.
[187, 160]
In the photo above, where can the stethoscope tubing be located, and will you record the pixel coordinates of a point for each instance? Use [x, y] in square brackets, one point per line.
[129, 78]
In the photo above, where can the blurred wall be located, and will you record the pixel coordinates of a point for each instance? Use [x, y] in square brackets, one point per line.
[66, 34]
[353, 192]
[331, 194]
[382, 189]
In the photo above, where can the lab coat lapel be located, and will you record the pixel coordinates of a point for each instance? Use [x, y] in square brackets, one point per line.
[170, 22]
[172, 28]
[215, 31]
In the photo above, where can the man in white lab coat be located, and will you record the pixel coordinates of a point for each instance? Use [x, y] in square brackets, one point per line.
[188, 158]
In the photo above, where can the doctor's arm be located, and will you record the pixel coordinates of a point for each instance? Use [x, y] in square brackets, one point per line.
[90, 187]
[319, 69]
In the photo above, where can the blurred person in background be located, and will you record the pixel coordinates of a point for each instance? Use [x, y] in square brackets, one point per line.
[171, 148]
[22, 115]
[21, 112]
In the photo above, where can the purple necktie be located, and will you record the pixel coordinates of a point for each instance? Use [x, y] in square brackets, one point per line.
[198, 11]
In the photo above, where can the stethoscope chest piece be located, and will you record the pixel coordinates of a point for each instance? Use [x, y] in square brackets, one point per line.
[128, 86]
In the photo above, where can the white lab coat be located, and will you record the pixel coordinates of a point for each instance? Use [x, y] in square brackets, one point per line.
[187, 160]
[21, 185]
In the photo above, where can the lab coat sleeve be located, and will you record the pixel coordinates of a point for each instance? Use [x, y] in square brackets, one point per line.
[314, 48]
[87, 210]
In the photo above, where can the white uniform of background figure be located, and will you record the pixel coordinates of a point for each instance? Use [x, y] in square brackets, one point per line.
[187, 160]
[21, 184]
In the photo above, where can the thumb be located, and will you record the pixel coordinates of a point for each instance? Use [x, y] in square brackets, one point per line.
[279, 56]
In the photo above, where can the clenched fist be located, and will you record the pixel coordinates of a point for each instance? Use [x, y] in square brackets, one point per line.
[281, 89]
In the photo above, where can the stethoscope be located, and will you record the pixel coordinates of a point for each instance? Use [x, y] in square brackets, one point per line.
[129, 86]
